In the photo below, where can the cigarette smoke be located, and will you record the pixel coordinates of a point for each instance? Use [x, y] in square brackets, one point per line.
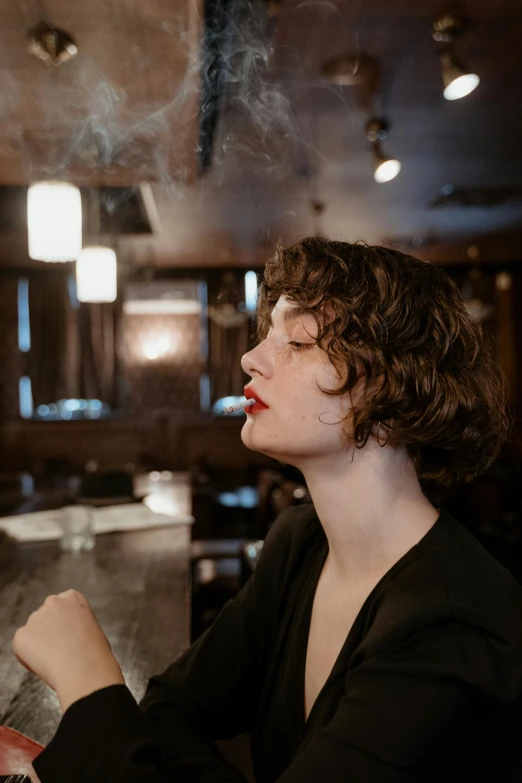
[83, 118]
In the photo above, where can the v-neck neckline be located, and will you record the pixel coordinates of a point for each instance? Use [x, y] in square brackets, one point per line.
[308, 608]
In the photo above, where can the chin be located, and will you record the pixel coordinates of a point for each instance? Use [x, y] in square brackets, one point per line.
[255, 443]
[269, 450]
[250, 441]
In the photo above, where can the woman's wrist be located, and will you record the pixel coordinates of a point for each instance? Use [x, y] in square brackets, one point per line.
[78, 687]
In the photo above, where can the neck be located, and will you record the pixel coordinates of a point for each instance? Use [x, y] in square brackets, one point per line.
[372, 510]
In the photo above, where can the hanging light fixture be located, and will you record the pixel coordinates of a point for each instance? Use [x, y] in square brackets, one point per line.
[96, 275]
[384, 168]
[54, 209]
[458, 80]
[54, 221]
[50, 44]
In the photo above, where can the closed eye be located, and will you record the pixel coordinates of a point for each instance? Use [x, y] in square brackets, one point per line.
[300, 346]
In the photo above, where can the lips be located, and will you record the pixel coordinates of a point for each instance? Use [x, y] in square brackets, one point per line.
[250, 394]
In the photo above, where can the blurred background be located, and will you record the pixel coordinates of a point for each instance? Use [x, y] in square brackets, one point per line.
[151, 154]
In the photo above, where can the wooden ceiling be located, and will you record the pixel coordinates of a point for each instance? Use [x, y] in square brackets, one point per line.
[128, 109]
[92, 119]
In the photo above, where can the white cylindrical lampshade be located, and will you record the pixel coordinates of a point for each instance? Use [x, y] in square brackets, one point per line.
[54, 221]
[96, 275]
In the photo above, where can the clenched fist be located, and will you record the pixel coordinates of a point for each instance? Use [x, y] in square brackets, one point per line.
[63, 644]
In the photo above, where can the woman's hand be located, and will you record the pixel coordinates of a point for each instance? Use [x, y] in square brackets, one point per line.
[63, 644]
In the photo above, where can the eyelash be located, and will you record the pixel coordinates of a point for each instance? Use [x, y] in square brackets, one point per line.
[299, 346]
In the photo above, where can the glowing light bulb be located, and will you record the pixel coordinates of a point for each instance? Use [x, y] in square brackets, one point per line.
[461, 86]
[387, 170]
[151, 351]
[163, 344]
[96, 275]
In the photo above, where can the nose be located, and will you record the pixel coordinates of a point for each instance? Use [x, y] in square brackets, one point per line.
[255, 362]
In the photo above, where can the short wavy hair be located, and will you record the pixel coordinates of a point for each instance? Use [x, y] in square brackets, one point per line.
[400, 327]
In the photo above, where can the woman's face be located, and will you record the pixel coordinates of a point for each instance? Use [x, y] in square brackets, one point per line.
[286, 368]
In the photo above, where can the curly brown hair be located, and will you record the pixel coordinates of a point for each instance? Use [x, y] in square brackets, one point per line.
[399, 324]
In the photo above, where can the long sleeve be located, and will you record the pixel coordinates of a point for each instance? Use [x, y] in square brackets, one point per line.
[211, 692]
[429, 689]
[399, 707]
[105, 738]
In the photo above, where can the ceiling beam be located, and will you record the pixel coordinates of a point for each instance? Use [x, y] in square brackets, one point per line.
[493, 250]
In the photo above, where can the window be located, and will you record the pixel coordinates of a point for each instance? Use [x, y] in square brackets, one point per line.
[26, 397]
[65, 410]
[58, 410]
[24, 329]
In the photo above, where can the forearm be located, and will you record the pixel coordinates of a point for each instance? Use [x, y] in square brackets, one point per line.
[105, 736]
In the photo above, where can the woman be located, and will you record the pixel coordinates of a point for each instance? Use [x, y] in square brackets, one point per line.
[377, 640]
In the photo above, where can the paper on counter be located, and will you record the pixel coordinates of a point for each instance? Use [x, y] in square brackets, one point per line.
[46, 525]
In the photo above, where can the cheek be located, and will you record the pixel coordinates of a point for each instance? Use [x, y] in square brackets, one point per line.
[282, 354]
[297, 383]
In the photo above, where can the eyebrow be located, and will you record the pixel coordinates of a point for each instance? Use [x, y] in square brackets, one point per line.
[291, 314]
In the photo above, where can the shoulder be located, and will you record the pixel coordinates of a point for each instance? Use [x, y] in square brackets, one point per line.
[288, 538]
[479, 588]
[451, 572]
[293, 526]
[273, 579]
[452, 595]
[290, 532]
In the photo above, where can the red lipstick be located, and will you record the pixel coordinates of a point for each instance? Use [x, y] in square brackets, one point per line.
[260, 405]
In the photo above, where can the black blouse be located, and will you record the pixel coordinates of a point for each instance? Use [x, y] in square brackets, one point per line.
[427, 686]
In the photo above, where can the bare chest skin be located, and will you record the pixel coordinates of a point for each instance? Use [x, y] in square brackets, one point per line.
[333, 614]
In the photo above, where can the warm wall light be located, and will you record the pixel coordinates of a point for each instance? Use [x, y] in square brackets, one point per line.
[458, 80]
[96, 275]
[54, 221]
[151, 351]
[384, 168]
[157, 347]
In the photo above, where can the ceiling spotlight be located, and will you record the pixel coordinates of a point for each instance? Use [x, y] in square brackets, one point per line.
[458, 80]
[50, 44]
[384, 168]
